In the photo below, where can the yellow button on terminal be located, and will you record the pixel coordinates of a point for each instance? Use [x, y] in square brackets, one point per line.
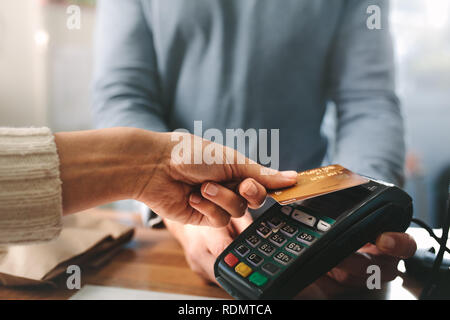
[243, 269]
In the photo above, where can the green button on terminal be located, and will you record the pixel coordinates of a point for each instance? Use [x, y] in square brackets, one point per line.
[258, 279]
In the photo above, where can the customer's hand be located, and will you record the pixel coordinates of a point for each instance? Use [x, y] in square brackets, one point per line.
[350, 276]
[389, 249]
[207, 193]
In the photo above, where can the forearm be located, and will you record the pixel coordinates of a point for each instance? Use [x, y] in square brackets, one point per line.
[370, 138]
[101, 166]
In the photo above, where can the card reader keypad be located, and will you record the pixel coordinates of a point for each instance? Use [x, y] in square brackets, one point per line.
[294, 248]
[277, 239]
[270, 268]
[263, 230]
[275, 222]
[255, 259]
[253, 240]
[283, 258]
[289, 230]
[306, 238]
[275, 243]
[267, 249]
[242, 250]
[304, 218]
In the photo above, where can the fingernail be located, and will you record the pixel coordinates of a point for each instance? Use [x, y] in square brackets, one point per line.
[250, 189]
[195, 198]
[289, 174]
[387, 242]
[211, 189]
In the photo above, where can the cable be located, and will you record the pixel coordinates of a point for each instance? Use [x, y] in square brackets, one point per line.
[432, 285]
[430, 231]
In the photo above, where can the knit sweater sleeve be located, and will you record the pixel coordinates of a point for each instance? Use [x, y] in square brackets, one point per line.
[30, 187]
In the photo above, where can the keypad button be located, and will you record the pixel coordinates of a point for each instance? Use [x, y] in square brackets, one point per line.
[243, 270]
[267, 249]
[323, 226]
[270, 268]
[263, 231]
[275, 222]
[277, 239]
[294, 248]
[258, 279]
[231, 260]
[242, 250]
[305, 238]
[304, 218]
[289, 230]
[286, 210]
[283, 258]
[255, 259]
[253, 240]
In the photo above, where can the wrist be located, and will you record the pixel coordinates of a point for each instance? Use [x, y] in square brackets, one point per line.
[131, 158]
[100, 166]
[147, 153]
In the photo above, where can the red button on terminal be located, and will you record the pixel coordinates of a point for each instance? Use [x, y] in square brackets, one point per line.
[231, 260]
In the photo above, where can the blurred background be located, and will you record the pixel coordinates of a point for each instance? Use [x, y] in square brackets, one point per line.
[45, 74]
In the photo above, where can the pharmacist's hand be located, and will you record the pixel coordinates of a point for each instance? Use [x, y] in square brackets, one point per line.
[351, 274]
[210, 191]
[202, 245]
[389, 249]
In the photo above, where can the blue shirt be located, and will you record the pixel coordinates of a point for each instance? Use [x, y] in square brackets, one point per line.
[161, 64]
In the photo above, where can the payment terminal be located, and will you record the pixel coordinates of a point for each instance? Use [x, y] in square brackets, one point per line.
[288, 247]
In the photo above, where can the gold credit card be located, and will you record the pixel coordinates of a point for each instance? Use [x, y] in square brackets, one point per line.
[316, 182]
